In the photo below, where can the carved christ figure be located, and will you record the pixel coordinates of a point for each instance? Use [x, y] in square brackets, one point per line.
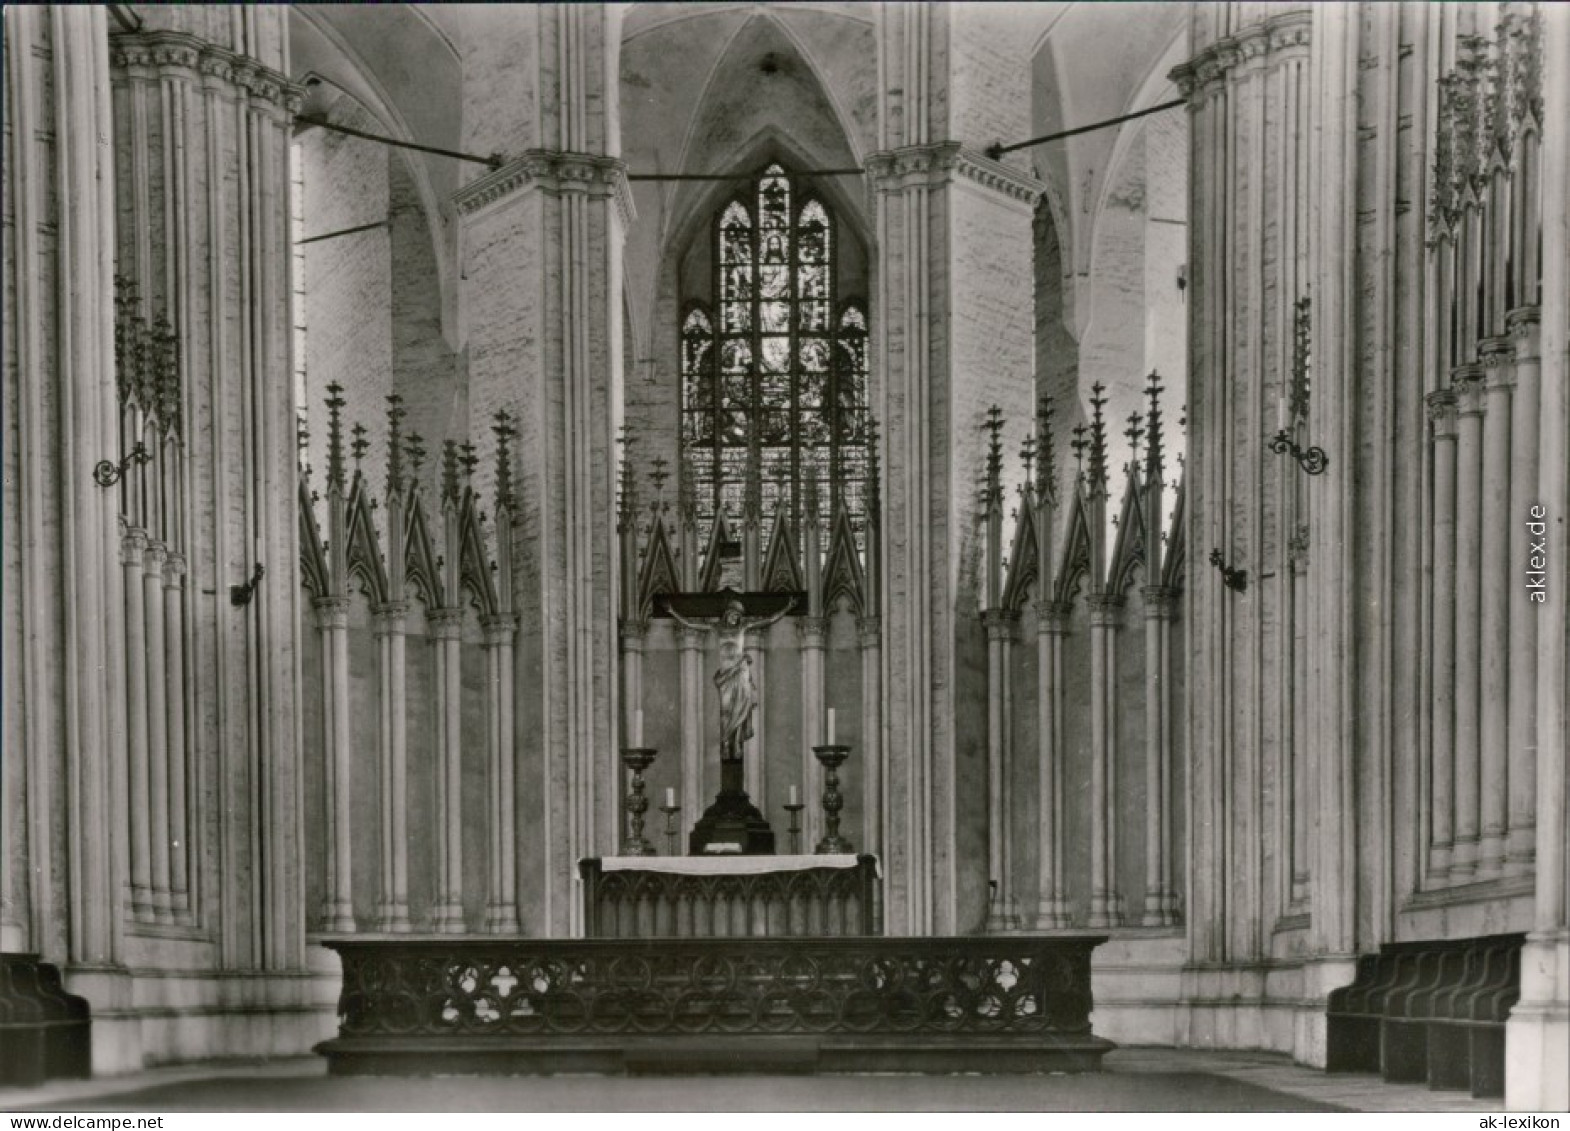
[738, 694]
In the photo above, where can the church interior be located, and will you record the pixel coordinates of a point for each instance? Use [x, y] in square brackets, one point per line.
[823, 537]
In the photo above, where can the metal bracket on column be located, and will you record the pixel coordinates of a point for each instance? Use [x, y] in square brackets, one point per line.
[1231, 576]
[240, 595]
[108, 473]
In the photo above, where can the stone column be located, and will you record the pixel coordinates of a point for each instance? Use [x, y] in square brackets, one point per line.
[1525, 420]
[157, 708]
[810, 632]
[1160, 898]
[694, 798]
[541, 287]
[1498, 526]
[634, 635]
[204, 116]
[447, 630]
[133, 560]
[178, 704]
[501, 911]
[1051, 624]
[1468, 600]
[1105, 903]
[1442, 413]
[393, 913]
[332, 618]
[869, 635]
[952, 336]
[1537, 1035]
[1002, 625]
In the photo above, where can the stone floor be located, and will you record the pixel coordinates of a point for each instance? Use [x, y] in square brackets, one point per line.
[1135, 1080]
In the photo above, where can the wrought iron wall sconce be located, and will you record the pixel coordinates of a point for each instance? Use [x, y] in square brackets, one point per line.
[240, 595]
[108, 473]
[1231, 576]
[1312, 460]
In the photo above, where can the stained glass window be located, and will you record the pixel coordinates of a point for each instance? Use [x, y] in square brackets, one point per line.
[776, 376]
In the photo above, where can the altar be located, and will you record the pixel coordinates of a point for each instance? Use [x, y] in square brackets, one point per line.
[723, 896]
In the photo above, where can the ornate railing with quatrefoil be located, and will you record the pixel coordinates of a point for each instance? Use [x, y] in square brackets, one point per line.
[846, 1004]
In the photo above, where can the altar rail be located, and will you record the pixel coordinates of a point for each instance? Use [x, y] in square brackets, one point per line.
[540, 1006]
[636, 903]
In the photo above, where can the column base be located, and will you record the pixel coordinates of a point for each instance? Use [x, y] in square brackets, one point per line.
[1106, 910]
[393, 918]
[1521, 850]
[447, 918]
[1160, 910]
[502, 919]
[1051, 915]
[1537, 1034]
[1491, 855]
[1004, 916]
[338, 918]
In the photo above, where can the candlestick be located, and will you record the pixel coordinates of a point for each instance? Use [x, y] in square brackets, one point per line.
[670, 809]
[794, 809]
[832, 756]
[637, 759]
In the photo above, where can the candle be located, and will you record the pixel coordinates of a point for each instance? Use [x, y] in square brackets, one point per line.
[670, 798]
[1281, 413]
[830, 740]
[793, 800]
[637, 727]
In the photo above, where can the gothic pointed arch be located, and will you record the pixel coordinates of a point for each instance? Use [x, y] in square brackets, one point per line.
[364, 556]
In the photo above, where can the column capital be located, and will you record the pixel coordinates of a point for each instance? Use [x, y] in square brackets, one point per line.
[1524, 324]
[1001, 624]
[938, 163]
[446, 623]
[1106, 609]
[1052, 617]
[331, 612]
[388, 618]
[1497, 357]
[133, 545]
[690, 637]
[556, 172]
[633, 633]
[811, 631]
[153, 556]
[499, 628]
[174, 567]
[1160, 601]
[153, 54]
[1442, 413]
[1467, 380]
[1207, 71]
[869, 631]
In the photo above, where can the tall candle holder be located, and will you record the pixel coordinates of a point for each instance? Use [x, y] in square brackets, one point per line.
[832, 757]
[637, 759]
[672, 831]
[794, 808]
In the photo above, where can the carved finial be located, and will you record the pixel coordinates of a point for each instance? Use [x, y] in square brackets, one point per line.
[359, 446]
[468, 459]
[1027, 455]
[395, 414]
[1098, 440]
[450, 470]
[414, 447]
[335, 464]
[1079, 444]
[1135, 432]
[504, 430]
[628, 504]
[1302, 331]
[994, 482]
[1154, 469]
[1046, 452]
[874, 472]
[687, 494]
[659, 476]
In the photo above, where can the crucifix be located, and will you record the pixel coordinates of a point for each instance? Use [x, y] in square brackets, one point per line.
[732, 824]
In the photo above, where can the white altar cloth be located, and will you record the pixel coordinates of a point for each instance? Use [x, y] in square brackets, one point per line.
[728, 865]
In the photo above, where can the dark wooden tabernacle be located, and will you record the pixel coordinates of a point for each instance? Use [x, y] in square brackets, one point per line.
[864, 1004]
